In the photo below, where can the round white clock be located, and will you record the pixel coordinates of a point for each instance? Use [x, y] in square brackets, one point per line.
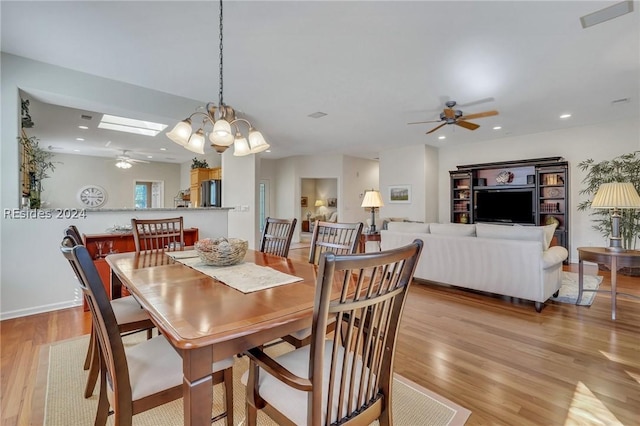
[92, 196]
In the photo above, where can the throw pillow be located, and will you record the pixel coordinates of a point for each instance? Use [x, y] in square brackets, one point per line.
[456, 229]
[413, 227]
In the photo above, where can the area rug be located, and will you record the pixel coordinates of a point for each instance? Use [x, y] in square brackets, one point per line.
[569, 289]
[64, 380]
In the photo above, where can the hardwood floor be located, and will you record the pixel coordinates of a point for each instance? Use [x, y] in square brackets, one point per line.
[497, 357]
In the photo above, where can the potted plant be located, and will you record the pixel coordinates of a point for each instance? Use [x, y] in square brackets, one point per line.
[38, 163]
[624, 168]
[199, 164]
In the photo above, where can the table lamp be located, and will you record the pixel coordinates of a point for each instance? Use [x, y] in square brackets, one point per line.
[616, 196]
[372, 200]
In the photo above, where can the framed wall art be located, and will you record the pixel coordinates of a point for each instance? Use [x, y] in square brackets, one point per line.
[400, 194]
[304, 201]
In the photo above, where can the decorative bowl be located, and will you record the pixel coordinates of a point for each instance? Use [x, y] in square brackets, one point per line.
[221, 251]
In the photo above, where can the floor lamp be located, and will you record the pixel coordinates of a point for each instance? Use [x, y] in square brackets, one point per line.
[372, 200]
[616, 196]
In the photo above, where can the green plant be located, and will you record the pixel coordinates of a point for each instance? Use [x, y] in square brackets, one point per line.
[624, 168]
[199, 164]
[38, 163]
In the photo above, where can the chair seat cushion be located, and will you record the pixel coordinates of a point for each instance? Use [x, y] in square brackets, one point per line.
[127, 310]
[292, 402]
[154, 365]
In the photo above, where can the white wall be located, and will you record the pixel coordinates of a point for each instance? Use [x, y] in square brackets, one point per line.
[359, 175]
[599, 141]
[60, 190]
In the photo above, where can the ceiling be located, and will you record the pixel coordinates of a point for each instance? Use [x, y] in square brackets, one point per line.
[372, 67]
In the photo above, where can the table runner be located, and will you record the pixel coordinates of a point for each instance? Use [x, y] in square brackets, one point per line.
[246, 277]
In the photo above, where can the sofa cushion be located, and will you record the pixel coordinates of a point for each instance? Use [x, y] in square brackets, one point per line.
[414, 227]
[457, 229]
[543, 234]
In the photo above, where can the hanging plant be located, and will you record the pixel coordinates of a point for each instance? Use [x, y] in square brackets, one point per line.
[39, 165]
[624, 168]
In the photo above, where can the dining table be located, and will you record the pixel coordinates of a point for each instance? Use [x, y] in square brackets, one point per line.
[206, 320]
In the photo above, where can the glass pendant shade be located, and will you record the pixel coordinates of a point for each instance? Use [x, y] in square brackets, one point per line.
[257, 142]
[216, 139]
[222, 129]
[181, 132]
[196, 142]
[241, 146]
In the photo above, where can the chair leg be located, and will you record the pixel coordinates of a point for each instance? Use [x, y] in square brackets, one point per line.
[228, 395]
[94, 369]
[90, 349]
[102, 413]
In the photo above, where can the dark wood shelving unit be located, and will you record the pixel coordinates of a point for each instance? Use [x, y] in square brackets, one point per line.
[547, 179]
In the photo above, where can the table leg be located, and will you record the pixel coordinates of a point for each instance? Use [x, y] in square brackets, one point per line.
[580, 280]
[116, 286]
[614, 291]
[198, 386]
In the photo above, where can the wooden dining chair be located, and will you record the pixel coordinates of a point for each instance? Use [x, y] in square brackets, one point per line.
[140, 377]
[277, 235]
[158, 234]
[346, 378]
[337, 238]
[130, 316]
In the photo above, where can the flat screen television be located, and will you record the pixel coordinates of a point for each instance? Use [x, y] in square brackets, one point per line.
[505, 206]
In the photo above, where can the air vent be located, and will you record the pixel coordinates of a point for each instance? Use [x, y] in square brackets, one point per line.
[86, 117]
[620, 101]
[317, 114]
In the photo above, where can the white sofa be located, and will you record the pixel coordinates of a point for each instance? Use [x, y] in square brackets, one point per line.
[513, 261]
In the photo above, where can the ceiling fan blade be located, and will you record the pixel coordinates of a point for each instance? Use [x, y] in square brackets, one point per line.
[467, 125]
[479, 115]
[436, 128]
[449, 113]
[137, 161]
[422, 122]
[479, 101]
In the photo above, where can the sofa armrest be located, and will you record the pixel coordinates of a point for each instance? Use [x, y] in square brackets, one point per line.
[554, 255]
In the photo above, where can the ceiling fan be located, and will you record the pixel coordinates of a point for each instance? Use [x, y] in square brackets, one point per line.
[124, 161]
[455, 116]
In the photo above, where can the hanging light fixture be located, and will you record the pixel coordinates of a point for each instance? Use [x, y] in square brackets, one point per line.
[225, 126]
[122, 164]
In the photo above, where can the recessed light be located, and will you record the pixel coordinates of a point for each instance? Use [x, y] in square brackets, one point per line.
[80, 139]
[76, 150]
[268, 150]
[163, 149]
[497, 128]
[83, 127]
[442, 137]
[565, 116]
[149, 156]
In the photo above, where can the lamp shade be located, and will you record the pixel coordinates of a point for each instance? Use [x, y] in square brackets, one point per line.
[181, 132]
[221, 139]
[372, 199]
[241, 146]
[319, 203]
[196, 142]
[257, 142]
[222, 129]
[620, 195]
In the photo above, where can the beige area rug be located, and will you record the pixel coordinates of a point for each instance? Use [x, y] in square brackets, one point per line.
[61, 372]
[569, 289]
[300, 245]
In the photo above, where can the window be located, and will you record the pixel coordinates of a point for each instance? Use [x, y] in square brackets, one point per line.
[149, 194]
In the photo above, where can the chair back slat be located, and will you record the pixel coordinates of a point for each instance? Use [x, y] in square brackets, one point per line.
[337, 238]
[277, 235]
[158, 234]
[373, 289]
[112, 354]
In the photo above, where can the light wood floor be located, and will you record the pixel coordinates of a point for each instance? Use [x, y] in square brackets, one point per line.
[499, 358]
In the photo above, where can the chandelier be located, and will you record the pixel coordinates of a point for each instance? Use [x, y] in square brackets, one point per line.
[225, 125]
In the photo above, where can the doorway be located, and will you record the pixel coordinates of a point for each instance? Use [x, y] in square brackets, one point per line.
[148, 194]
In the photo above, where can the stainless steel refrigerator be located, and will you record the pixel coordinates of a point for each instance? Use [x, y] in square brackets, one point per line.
[211, 193]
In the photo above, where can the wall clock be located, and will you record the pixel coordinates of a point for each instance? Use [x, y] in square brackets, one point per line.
[92, 196]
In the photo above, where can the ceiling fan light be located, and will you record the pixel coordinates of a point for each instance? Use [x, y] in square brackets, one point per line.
[257, 142]
[122, 164]
[222, 128]
[181, 132]
[196, 142]
[241, 146]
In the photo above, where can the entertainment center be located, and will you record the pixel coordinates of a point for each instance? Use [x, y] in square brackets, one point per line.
[522, 192]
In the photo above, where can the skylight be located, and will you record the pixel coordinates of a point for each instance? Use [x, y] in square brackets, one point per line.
[130, 125]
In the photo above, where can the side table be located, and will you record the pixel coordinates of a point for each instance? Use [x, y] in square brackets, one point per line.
[615, 259]
[364, 237]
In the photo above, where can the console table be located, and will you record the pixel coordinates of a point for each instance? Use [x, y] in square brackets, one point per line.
[364, 237]
[615, 260]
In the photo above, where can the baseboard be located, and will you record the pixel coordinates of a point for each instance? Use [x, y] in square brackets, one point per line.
[39, 309]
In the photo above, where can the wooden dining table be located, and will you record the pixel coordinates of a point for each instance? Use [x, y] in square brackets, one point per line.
[206, 320]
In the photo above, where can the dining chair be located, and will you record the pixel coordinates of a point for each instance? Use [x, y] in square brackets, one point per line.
[346, 378]
[130, 316]
[140, 377]
[277, 235]
[158, 234]
[337, 238]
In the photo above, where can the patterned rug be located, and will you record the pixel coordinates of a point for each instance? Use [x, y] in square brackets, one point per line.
[61, 370]
[569, 289]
